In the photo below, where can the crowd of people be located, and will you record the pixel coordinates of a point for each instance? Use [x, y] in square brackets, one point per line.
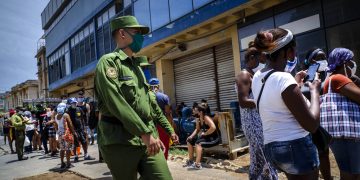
[291, 120]
[62, 128]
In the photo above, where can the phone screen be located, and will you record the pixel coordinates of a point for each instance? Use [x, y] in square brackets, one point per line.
[311, 72]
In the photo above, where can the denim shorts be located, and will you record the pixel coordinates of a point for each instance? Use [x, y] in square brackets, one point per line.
[297, 157]
[347, 154]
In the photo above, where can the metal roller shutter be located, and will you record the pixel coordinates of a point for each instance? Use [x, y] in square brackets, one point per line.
[195, 78]
[226, 74]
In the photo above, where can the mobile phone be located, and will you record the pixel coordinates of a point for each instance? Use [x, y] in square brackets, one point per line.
[311, 72]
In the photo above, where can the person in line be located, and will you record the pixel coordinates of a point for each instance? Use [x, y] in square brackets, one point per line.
[317, 55]
[287, 116]
[127, 135]
[164, 103]
[45, 130]
[93, 119]
[78, 121]
[6, 129]
[19, 123]
[85, 108]
[340, 115]
[12, 136]
[204, 136]
[51, 132]
[250, 118]
[66, 133]
[29, 128]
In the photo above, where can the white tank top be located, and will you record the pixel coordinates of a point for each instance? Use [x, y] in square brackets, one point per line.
[60, 124]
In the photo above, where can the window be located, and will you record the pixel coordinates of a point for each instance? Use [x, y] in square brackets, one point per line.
[298, 13]
[307, 41]
[100, 42]
[107, 38]
[179, 8]
[199, 3]
[112, 12]
[142, 12]
[92, 47]
[159, 13]
[127, 3]
[336, 11]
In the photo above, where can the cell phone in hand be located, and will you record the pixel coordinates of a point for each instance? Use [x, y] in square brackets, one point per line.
[311, 72]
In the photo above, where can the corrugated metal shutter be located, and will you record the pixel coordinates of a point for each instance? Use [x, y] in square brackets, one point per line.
[195, 78]
[226, 74]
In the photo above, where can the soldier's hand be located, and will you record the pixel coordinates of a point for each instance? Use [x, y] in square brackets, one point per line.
[175, 138]
[153, 145]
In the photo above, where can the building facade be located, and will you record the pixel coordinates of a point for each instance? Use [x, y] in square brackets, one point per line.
[197, 46]
[42, 72]
[21, 94]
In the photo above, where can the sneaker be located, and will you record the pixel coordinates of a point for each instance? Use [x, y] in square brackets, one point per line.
[196, 166]
[76, 159]
[88, 157]
[188, 163]
[63, 165]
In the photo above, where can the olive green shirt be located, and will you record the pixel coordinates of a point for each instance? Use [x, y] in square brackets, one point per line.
[123, 93]
[17, 122]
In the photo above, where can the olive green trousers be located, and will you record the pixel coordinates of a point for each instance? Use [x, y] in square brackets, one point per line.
[125, 161]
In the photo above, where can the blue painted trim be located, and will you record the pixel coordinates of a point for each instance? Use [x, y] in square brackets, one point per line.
[81, 72]
[196, 17]
[87, 19]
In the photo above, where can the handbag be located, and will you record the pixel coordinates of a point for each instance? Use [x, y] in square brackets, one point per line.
[339, 115]
[322, 139]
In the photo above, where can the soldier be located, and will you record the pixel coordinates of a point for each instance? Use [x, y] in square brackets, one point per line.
[19, 123]
[127, 135]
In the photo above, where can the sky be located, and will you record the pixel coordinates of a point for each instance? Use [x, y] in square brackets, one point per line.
[20, 29]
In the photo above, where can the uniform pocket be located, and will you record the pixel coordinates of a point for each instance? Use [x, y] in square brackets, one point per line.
[128, 89]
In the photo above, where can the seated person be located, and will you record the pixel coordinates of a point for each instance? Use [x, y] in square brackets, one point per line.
[204, 136]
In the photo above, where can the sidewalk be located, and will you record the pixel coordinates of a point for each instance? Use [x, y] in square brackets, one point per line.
[38, 163]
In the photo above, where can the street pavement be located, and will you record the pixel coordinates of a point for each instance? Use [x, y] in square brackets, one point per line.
[38, 163]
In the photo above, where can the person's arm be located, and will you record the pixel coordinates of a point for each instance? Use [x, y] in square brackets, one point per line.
[108, 89]
[71, 127]
[159, 117]
[197, 129]
[243, 84]
[87, 113]
[16, 121]
[308, 118]
[211, 125]
[351, 91]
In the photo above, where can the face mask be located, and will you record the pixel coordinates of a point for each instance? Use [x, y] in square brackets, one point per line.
[236, 88]
[137, 43]
[80, 100]
[73, 106]
[48, 114]
[60, 110]
[353, 69]
[259, 67]
[290, 65]
[323, 65]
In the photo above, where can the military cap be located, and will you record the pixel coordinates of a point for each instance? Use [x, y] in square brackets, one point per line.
[142, 60]
[128, 22]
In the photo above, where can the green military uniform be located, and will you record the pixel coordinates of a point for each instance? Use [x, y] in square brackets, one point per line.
[128, 110]
[19, 124]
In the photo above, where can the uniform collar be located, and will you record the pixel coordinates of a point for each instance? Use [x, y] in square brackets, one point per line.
[121, 54]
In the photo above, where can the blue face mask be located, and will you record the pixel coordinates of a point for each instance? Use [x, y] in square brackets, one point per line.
[290, 65]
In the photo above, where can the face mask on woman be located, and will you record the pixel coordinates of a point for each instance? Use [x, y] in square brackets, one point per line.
[290, 65]
[323, 65]
[353, 69]
[259, 67]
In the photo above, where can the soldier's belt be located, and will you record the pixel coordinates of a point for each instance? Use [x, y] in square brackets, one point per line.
[112, 120]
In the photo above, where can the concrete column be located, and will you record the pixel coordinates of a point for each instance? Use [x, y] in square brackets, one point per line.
[236, 48]
[165, 73]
